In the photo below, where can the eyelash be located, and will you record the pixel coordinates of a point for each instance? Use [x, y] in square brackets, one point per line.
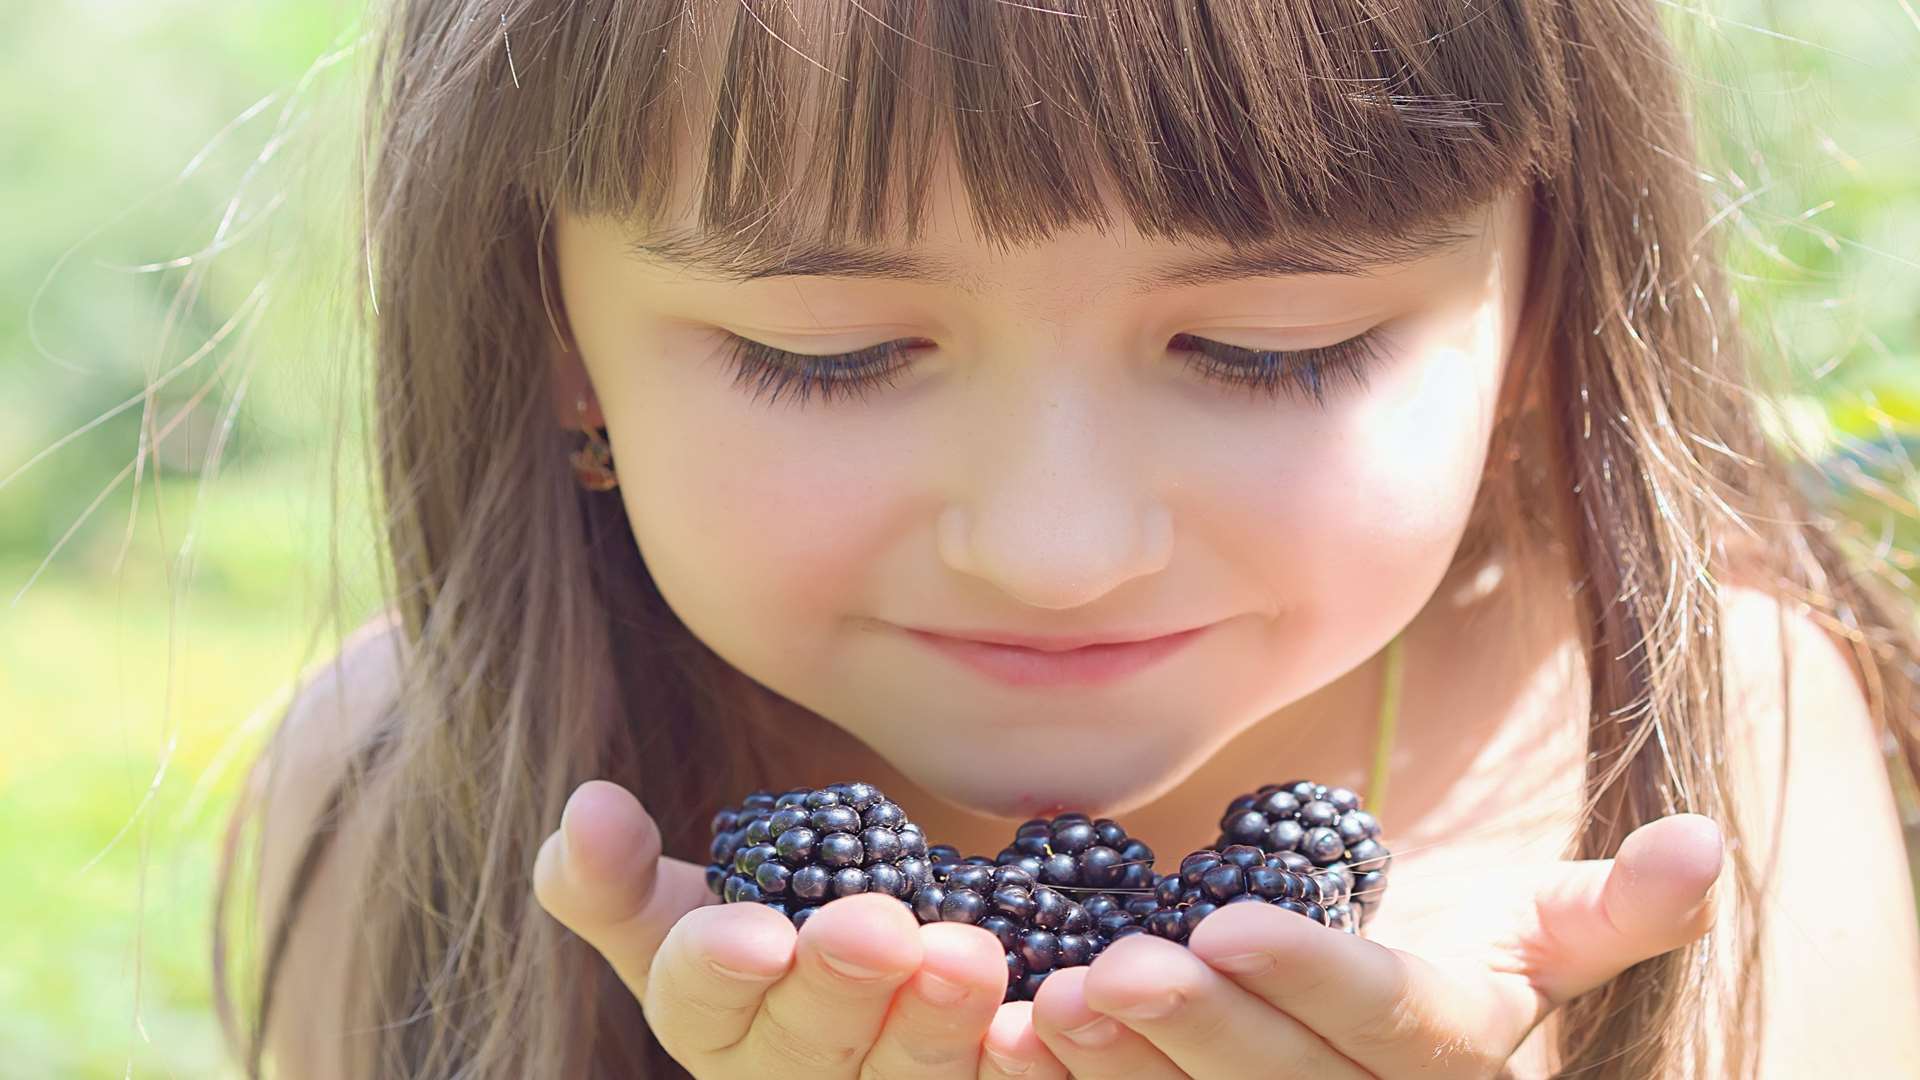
[1299, 374]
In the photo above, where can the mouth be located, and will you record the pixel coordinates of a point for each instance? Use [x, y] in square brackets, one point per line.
[1088, 665]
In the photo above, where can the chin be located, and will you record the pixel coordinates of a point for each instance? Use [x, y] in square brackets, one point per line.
[1046, 785]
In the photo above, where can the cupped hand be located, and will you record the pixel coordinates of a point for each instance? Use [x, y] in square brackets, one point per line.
[1259, 990]
[733, 990]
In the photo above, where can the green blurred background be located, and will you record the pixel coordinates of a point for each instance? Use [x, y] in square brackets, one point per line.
[175, 195]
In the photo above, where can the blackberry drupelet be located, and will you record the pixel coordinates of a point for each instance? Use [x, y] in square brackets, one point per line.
[1326, 829]
[799, 849]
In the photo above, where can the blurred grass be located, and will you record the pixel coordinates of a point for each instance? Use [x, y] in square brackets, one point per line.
[133, 690]
[109, 872]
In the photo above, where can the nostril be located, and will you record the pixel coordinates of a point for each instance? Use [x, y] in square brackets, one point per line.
[1055, 560]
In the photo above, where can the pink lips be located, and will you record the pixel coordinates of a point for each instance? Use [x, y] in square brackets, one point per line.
[1088, 665]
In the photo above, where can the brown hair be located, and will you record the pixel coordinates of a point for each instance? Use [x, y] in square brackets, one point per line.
[516, 592]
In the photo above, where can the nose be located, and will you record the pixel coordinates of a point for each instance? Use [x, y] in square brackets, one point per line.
[1057, 513]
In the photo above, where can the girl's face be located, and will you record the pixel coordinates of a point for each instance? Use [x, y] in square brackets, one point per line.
[1050, 454]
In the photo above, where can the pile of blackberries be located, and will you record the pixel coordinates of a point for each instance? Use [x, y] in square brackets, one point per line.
[1067, 887]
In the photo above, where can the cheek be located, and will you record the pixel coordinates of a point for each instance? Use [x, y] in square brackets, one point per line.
[1356, 512]
[1407, 477]
[752, 523]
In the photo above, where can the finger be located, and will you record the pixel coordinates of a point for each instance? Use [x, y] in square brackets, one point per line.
[602, 876]
[1654, 896]
[1388, 1012]
[823, 1018]
[1199, 1019]
[711, 976]
[1092, 1046]
[940, 1017]
[1013, 1048]
[1391, 1011]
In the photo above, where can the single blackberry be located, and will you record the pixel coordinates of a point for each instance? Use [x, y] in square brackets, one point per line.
[804, 847]
[1324, 827]
[1076, 853]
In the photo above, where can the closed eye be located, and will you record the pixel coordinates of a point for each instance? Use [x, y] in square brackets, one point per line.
[1301, 374]
[1313, 373]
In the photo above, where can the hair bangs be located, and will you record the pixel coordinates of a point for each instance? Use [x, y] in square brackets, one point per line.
[1229, 122]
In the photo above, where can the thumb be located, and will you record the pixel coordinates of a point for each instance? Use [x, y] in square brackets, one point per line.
[1606, 915]
[602, 876]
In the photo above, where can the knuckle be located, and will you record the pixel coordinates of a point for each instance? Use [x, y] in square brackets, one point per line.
[1195, 1021]
[682, 1014]
[1461, 1055]
[913, 1057]
[871, 1069]
[700, 1005]
[794, 1050]
[1202, 1026]
[940, 1058]
[1311, 980]
[1401, 1018]
[1389, 1027]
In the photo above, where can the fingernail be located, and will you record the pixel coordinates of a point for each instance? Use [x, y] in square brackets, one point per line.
[1253, 963]
[569, 863]
[744, 976]
[940, 991]
[1098, 1033]
[566, 844]
[1150, 1009]
[1008, 1065]
[848, 970]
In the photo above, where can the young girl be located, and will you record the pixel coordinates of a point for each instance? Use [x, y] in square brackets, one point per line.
[1114, 407]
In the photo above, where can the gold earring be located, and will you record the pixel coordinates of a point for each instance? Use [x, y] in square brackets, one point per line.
[593, 463]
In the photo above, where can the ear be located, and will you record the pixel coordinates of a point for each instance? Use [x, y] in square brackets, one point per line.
[567, 378]
[1533, 336]
[568, 382]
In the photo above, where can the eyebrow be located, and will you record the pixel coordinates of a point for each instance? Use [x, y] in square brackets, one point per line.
[728, 259]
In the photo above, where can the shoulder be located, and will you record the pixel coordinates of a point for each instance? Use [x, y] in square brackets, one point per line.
[1797, 710]
[1841, 958]
[334, 704]
[333, 710]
